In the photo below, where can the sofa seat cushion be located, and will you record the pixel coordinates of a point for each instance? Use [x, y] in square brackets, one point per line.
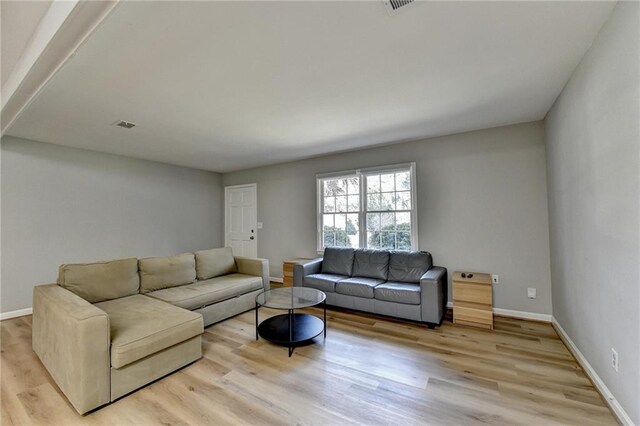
[207, 292]
[358, 286]
[323, 282]
[408, 266]
[142, 326]
[398, 292]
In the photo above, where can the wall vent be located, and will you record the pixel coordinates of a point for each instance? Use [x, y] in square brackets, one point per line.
[124, 124]
[393, 6]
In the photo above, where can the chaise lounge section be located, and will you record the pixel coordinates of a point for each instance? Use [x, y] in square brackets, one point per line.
[400, 284]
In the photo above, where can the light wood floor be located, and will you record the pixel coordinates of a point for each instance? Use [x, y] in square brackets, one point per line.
[369, 370]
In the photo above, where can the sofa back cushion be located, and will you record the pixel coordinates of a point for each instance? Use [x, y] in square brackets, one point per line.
[163, 272]
[338, 260]
[215, 262]
[371, 264]
[408, 266]
[99, 281]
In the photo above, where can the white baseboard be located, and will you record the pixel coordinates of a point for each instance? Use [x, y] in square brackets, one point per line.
[613, 403]
[517, 314]
[522, 315]
[15, 314]
[275, 279]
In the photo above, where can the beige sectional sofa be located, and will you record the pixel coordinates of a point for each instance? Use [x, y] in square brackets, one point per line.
[108, 328]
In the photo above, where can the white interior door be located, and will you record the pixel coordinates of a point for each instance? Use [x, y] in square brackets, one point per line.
[240, 218]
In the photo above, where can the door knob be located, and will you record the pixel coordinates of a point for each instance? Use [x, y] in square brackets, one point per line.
[251, 237]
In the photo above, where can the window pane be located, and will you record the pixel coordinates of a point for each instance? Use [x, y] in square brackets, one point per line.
[373, 183]
[387, 240]
[387, 183]
[373, 221]
[403, 182]
[326, 188]
[329, 204]
[341, 203]
[373, 239]
[386, 201]
[353, 227]
[353, 203]
[386, 221]
[353, 185]
[403, 221]
[403, 241]
[353, 230]
[328, 239]
[373, 202]
[403, 200]
[335, 187]
[335, 231]
[342, 239]
[329, 187]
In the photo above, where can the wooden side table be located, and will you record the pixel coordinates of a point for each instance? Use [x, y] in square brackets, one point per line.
[287, 270]
[473, 299]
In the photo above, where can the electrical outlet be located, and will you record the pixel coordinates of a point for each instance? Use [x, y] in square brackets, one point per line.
[495, 278]
[614, 359]
[531, 293]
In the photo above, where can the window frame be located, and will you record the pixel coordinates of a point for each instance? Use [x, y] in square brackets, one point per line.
[362, 175]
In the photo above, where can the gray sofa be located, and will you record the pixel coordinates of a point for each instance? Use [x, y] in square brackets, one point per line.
[400, 284]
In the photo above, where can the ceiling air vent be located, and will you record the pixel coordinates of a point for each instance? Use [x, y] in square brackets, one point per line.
[394, 5]
[124, 124]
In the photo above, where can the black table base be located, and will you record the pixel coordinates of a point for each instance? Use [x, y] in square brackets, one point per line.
[291, 329]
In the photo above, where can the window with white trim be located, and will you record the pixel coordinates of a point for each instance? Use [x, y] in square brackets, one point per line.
[368, 208]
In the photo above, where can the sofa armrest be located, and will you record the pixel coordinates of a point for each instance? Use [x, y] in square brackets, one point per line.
[254, 266]
[433, 294]
[72, 338]
[301, 270]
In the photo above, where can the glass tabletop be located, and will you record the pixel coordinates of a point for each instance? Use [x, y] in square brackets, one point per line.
[290, 298]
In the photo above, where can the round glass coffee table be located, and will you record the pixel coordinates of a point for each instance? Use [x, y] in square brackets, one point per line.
[291, 329]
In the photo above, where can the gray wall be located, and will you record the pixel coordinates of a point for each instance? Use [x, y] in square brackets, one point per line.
[593, 143]
[62, 205]
[482, 206]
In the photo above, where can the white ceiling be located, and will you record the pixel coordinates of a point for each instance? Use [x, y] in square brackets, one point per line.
[224, 86]
[18, 21]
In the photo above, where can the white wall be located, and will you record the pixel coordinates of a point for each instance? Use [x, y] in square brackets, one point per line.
[482, 206]
[64, 205]
[593, 148]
